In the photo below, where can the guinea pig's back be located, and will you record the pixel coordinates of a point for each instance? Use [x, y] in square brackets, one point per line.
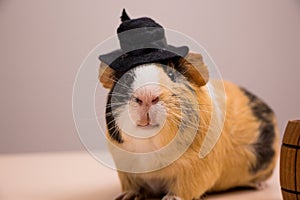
[250, 137]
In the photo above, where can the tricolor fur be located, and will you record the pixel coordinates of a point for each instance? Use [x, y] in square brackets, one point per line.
[244, 155]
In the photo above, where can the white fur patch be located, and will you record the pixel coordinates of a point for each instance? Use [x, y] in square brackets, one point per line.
[146, 74]
[146, 81]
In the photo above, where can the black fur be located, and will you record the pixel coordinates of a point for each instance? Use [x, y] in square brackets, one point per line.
[122, 88]
[117, 97]
[177, 73]
[171, 72]
[264, 145]
[113, 130]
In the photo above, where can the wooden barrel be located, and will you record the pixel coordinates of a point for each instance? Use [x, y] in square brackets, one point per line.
[290, 162]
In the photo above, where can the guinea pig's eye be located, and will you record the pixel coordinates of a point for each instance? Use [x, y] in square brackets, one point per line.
[171, 74]
[137, 100]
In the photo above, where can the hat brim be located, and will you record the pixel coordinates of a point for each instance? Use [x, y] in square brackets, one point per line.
[124, 61]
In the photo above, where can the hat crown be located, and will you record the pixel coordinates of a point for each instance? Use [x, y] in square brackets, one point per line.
[137, 23]
[140, 33]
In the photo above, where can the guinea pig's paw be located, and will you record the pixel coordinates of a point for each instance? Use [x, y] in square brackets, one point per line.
[261, 185]
[129, 195]
[202, 197]
[171, 197]
[258, 185]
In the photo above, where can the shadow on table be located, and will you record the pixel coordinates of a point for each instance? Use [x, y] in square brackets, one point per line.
[232, 191]
[112, 192]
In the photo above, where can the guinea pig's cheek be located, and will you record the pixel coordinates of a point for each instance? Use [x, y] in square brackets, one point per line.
[124, 120]
[134, 113]
[158, 115]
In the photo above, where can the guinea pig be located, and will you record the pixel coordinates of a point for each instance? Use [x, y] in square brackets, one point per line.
[146, 107]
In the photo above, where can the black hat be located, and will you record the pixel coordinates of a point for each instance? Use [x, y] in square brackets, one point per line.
[142, 41]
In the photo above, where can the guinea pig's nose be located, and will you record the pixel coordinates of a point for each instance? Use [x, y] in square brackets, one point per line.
[146, 100]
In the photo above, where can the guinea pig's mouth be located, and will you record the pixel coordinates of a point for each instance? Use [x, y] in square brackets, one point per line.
[148, 126]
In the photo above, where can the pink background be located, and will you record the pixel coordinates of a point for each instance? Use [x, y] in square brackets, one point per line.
[42, 44]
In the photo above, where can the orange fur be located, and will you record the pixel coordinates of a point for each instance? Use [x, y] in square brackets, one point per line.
[196, 70]
[106, 76]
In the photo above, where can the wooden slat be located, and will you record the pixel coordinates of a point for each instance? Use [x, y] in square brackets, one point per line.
[287, 168]
[289, 196]
[290, 162]
[292, 133]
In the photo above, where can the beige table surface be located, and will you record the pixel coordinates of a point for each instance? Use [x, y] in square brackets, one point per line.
[78, 176]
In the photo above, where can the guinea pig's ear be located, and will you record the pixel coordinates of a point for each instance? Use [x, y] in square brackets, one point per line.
[106, 76]
[193, 67]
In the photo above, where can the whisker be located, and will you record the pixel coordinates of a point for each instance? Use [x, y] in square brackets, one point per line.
[112, 121]
[185, 108]
[190, 103]
[123, 85]
[193, 126]
[112, 94]
[115, 104]
[119, 82]
[187, 123]
[187, 102]
[115, 132]
[101, 108]
[113, 127]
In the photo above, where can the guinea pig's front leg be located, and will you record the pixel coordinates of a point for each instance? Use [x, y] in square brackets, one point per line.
[129, 195]
[171, 197]
[189, 186]
[131, 189]
[174, 197]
